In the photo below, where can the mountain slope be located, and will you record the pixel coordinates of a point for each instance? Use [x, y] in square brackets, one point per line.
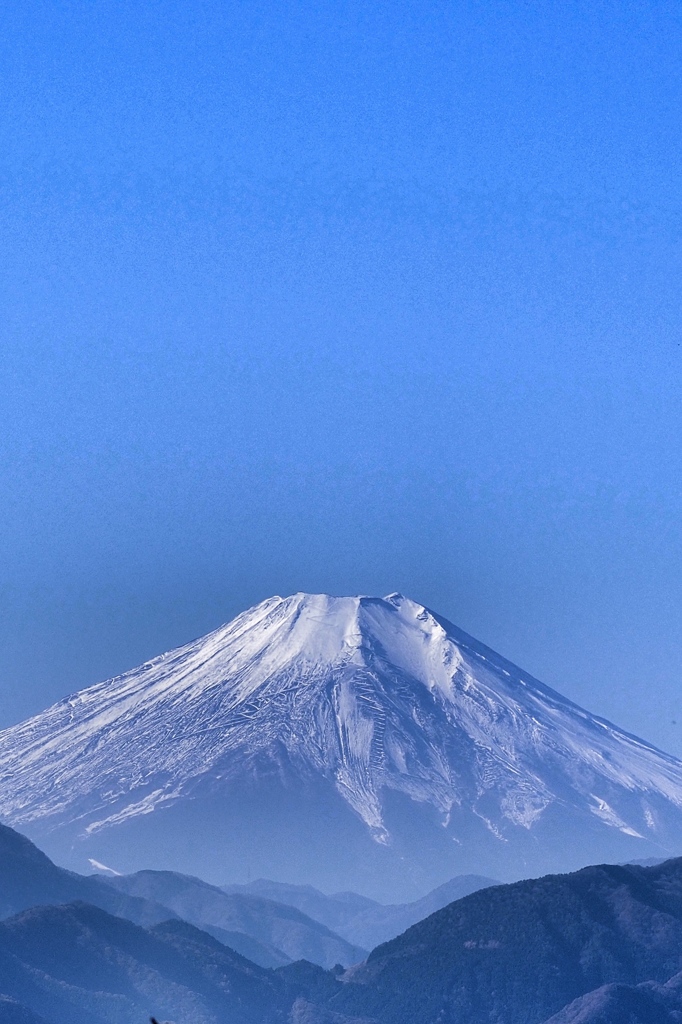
[594, 947]
[28, 878]
[648, 1003]
[346, 742]
[78, 963]
[276, 925]
[520, 953]
[357, 918]
[265, 932]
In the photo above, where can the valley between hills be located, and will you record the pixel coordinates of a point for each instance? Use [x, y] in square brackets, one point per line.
[599, 946]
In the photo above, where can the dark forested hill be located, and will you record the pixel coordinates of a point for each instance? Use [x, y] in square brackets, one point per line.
[519, 953]
[598, 946]
[77, 963]
[648, 1003]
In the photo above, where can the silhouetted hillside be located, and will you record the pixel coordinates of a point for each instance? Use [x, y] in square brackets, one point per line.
[594, 947]
[267, 933]
[78, 963]
[648, 1003]
[28, 879]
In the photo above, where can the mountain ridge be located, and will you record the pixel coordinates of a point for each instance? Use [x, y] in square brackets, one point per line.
[277, 926]
[522, 953]
[247, 925]
[598, 946]
[361, 920]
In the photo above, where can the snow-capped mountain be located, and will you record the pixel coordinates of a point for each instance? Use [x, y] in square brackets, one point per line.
[350, 742]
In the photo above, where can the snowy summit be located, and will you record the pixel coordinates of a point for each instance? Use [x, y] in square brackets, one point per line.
[352, 742]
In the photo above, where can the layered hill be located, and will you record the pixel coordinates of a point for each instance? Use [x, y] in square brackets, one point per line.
[76, 963]
[594, 947]
[350, 743]
[268, 933]
[28, 878]
[648, 1003]
[284, 930]
[357, 918]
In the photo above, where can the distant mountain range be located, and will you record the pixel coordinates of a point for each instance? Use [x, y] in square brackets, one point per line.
[269, 933]
[599, 946]
[28, 878]
[283, 932]
[347, 743]
[357, 918]
[266, 921]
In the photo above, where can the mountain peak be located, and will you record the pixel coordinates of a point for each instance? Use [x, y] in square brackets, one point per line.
[377, 707]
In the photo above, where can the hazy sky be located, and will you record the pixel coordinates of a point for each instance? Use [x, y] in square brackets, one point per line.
[347, 297]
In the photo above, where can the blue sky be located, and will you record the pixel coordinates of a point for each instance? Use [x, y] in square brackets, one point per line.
[348, 297]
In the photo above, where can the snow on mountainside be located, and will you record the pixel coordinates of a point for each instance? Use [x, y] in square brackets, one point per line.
[378, 704]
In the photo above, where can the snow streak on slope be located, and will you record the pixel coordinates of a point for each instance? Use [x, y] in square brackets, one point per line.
[369, 694]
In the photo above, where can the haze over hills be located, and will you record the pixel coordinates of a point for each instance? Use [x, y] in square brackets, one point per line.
[282, 929]
[349, 743]
[265, 932]
[28, 878]
[76, 964]
[357, 918]
[600, 946]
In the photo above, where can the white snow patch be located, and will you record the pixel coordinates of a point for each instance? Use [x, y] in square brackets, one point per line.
[102, 868]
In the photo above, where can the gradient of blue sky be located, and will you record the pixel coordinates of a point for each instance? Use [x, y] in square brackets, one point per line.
[343, 296]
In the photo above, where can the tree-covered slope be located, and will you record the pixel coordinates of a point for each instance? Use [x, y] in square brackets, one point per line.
[77, 963]
[519, 953]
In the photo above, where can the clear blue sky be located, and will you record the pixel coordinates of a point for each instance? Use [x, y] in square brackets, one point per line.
[346, 297]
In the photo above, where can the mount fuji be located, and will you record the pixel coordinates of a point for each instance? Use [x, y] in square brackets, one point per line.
[351, 742]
